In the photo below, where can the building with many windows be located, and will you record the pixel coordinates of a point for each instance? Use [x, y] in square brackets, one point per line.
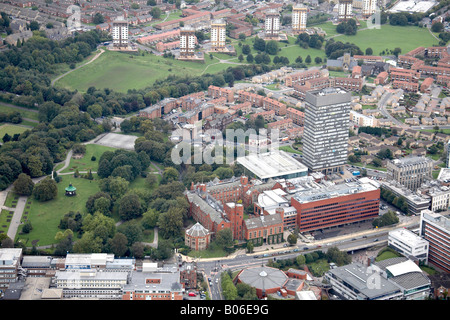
[345, 10]
[435, 228]
[325, 206]
[368, 8]
[408, 244]
[120, 33]
[410, 172]
[9, 266]
[218, 34]
[299, 18]
[325, 137]
[272, 24]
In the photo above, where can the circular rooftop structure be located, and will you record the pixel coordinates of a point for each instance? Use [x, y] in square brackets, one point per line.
[264, 279]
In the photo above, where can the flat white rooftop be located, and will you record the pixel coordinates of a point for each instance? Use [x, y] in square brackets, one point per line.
[272, 164]
[407, 236]
[412, 6]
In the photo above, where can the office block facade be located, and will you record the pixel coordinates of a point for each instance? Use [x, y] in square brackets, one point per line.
[325, 137]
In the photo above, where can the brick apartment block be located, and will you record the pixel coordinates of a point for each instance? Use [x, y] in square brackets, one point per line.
[216, 92]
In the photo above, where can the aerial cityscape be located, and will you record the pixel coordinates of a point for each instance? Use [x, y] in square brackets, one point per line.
[224, 150]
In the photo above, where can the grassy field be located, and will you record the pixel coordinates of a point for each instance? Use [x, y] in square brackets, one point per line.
[30, 114]
[121, 71]
[11, 129]
[85, 163]
[5, 220]
[45, 216]
[390, 37]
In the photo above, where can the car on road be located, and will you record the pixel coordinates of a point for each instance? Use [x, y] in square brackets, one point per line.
[255, 257]
[375, 240]
[192, 294]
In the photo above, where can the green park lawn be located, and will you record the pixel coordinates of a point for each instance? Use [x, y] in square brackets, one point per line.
[390, 37]
[4, 223]
[26, 113]
[11, 129]
[85, 163]
[45, 216]
[122, 71]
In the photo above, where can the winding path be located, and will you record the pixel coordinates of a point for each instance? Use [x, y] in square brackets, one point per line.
[80, 66]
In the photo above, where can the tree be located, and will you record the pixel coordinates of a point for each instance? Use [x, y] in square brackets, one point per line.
[246, 49]
[301, 260]
[45, 190]
[249, 58]
[23, 185]
[98, 18]
[369, 51]
[130, 207]
[241, 58]
[170, 174]
[118, 244]
[292, 239]
[308, 59]
[224, 238]
[437, 27]
[170, 223]
[271, 47]
[156, 13]
[259, 44]
[27, 227]
[34, 25]
[318, 60]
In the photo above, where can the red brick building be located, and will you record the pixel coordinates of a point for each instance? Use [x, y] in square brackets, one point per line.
[323, 209]
[295, 115]
[217, 92]
[302, 77]
[253, 98]
[275, 105]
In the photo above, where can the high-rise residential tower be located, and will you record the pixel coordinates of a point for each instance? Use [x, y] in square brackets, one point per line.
[299, 17]
[345, 10]
[272, 24]
[326, 128]
[218, 34]
[120, 33]
[187, 42]
[368, 8]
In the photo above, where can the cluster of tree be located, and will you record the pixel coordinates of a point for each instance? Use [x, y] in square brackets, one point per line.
[405, 18]
[4, 23]
[317, 19]
[397, 201]
[375, 131]
[335, 49]
[37, 150]
[12, 117]
[348, 27]
[387, 219]
[122, 163]
[281, 60]
[306, 41]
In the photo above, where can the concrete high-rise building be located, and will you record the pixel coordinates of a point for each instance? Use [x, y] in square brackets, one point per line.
[299, 17]
[435, 228]
[325, 137]
[218, 34]
[345, 10]
[272, 24]
[368, 8]
[410, 172]
[120, 33]
[187, 42]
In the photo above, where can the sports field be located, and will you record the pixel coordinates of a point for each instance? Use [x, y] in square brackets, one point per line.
[122, 71]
